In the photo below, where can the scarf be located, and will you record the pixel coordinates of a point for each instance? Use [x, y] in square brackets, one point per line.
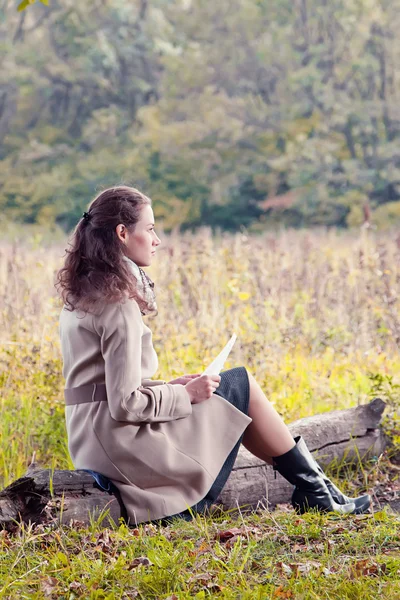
[145, 288]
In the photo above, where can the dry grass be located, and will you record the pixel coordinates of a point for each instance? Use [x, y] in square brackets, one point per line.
[316, 314]
[317, 319]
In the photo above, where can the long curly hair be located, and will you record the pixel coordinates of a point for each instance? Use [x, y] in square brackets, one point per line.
[94, 272]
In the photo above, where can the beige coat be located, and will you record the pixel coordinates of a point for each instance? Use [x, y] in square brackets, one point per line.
[162, 452]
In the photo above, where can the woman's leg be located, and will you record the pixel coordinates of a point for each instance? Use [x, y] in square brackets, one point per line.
[267, 435]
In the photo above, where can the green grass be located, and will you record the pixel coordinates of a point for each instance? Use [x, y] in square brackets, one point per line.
[318, 333]
[257, 555]
[273, 555]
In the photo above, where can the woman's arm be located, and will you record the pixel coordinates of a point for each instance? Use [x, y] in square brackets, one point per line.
[120, 327]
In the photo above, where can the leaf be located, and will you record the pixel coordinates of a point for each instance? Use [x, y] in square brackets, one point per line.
[49, 585]
[75, 585]
[225, 535]
[204, 548]
[298, 548]
[280, 592]
[305, 568]
[142, 561]
[23, 5]
[103, 542]
[76, 524]
[46, 2]
[367, 567]
[232, 541]
[284, 568]
[214, 587]
[202, 578]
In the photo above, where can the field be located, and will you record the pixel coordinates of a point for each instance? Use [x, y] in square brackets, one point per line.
[317, 316]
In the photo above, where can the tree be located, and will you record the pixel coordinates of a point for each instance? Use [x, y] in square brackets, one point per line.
[221, 111]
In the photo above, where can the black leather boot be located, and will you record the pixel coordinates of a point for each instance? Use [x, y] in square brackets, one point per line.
[300, 469]
[362, 503]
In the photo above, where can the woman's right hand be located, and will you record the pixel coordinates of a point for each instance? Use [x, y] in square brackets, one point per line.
[202, 388]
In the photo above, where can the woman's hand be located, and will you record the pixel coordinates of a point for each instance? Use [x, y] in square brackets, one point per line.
[185, 379]
[202, 388]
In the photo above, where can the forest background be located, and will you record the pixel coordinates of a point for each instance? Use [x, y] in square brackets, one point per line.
[228, 113]
[253, 118]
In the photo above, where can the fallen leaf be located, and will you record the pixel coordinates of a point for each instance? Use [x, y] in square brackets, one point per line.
[75, 524]
[142, 561]
[298, 548]
[202, 578]
[232, 541]
[201, 563]
[214, 587]
[284, 568]
[75, 585]
[4, 537]
[225, 535]
[136, 532]
[305, 568]
[203, 548]
[49, 585]
[280, 592]
[369, 568]
[339, 530]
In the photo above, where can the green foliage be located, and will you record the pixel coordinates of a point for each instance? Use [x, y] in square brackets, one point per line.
[229, 556]
[210, 107]
[387, 216]
[386, 387]
[25, 3]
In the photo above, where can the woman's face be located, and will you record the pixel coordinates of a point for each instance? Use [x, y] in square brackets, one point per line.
[140, 246]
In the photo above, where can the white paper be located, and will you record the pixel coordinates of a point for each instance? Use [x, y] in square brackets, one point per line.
[216, 366]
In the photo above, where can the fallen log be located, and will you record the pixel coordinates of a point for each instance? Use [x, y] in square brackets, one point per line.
[43, 495]
[344, 436]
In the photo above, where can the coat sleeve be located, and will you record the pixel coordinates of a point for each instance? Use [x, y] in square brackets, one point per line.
[120, 328]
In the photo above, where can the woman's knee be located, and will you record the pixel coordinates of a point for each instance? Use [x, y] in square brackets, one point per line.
[252, 380]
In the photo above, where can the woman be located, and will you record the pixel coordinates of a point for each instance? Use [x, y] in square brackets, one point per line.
[167, 446]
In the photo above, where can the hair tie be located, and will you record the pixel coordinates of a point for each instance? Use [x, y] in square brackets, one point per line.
[86, 216]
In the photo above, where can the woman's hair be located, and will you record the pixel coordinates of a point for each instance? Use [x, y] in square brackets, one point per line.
[94, 272]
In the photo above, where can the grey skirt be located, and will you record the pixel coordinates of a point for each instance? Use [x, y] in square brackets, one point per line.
[235, 388]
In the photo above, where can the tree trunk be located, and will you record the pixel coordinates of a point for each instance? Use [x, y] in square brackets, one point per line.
[42, 496]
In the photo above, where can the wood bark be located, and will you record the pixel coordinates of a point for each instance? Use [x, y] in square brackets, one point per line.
[42, 496]
[343, 436]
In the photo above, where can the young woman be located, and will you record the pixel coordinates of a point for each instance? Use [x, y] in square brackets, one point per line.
[166, 446]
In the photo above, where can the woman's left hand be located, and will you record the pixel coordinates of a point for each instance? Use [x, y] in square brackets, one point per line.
[185, 379]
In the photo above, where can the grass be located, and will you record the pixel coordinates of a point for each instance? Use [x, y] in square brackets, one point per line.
[259, 555]
[318, 322]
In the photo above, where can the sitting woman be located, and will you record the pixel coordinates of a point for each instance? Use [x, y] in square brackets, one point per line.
[166, 446]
